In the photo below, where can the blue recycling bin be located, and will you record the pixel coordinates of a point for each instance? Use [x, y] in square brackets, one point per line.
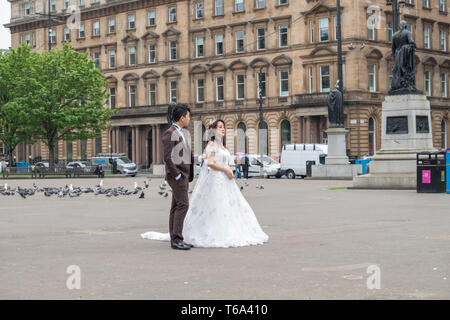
[447, 169]
[363, 163]
[22, 167]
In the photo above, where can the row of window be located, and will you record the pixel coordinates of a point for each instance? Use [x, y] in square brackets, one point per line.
[426, 35]
[428, 84]
[28, 7]
[427, 81]
[427, 4]
[200, 41]
[200, 84]
[172, 45]
[238, 5]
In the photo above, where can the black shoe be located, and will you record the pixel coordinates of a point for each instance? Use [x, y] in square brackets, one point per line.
[180, 246]
[188, 244]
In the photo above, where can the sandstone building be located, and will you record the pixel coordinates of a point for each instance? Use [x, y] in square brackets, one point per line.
[208, 54]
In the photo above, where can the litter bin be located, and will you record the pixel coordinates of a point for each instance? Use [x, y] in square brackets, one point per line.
[308, 168]
[363, 163]
[431, 172]
[22, 167]
[447, 161]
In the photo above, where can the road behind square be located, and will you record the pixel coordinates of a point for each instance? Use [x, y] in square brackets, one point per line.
[322, 239]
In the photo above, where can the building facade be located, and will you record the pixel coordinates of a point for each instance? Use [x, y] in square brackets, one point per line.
[209, 54]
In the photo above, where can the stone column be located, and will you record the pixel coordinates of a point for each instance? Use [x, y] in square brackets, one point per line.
[300, 130]
[308, 130]
[138, 146]
[158, 159]
[153, 144]
[117, 134]
[133, 143]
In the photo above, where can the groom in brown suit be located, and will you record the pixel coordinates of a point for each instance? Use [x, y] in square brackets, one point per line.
[179, 164]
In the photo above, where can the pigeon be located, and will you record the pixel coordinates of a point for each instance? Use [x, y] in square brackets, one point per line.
[242, 188]
[246, 183]
[142, 195]
[146, 184]
[22, 194]
[165, 195]
[161, 192]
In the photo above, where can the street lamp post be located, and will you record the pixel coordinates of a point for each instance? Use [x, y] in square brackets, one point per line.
[339, 47]
[49, 24]
[260, 87]
[396, 5]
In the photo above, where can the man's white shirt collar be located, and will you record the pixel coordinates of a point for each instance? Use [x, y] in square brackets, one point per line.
[180, 130]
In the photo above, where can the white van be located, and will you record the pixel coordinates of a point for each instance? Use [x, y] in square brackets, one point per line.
[294, 156]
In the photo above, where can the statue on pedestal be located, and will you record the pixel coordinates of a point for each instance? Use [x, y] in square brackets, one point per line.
[403, 76]
[336, 108]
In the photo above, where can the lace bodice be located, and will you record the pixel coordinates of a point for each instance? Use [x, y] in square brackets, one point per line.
[222, 157]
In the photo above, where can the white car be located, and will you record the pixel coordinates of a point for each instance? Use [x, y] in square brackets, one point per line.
[271, 168]
[83, 165]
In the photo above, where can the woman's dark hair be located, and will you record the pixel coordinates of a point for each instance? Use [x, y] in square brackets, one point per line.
[212, 128]
[175, 112]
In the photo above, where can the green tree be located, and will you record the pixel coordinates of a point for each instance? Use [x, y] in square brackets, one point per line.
[15, 116]
[68, 96]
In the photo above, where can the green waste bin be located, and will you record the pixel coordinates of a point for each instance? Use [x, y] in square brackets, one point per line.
[431, 172]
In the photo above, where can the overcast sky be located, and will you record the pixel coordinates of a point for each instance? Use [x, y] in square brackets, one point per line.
[5, 17]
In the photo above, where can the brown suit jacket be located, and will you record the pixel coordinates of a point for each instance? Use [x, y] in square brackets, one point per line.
[175, 160]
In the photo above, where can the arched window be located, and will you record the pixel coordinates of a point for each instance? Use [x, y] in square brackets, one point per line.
[263, 134]
[443, 134]
[241, 139]
[372, 137]
[285, 132]
[98, 144]
[130, 146]
[83, 149]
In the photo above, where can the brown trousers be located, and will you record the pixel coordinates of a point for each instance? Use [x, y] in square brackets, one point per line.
[179, 208]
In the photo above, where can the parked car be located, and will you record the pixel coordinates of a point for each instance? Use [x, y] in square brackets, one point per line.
[82, 166]
[294, 157]
[271, 168]
[41, 167]
[124, 165]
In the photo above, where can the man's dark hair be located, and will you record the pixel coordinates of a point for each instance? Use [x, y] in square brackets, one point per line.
[179, 110]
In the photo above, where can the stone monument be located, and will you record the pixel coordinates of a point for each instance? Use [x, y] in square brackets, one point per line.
[336, 165]
[405, 125]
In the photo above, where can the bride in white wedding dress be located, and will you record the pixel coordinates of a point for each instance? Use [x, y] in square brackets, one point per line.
[218, 214]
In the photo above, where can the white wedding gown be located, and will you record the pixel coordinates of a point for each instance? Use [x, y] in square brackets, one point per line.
[218, 214]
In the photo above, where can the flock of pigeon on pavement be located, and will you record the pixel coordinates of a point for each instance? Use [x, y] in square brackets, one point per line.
[72, 192]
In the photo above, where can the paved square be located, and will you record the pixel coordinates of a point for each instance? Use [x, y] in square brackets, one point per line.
[322, 240]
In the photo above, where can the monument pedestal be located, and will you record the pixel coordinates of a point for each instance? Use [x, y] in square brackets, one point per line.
[406, 130]
[336, 163]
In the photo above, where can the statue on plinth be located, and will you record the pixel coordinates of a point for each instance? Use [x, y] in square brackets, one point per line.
[336, 108]
[403, 75]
